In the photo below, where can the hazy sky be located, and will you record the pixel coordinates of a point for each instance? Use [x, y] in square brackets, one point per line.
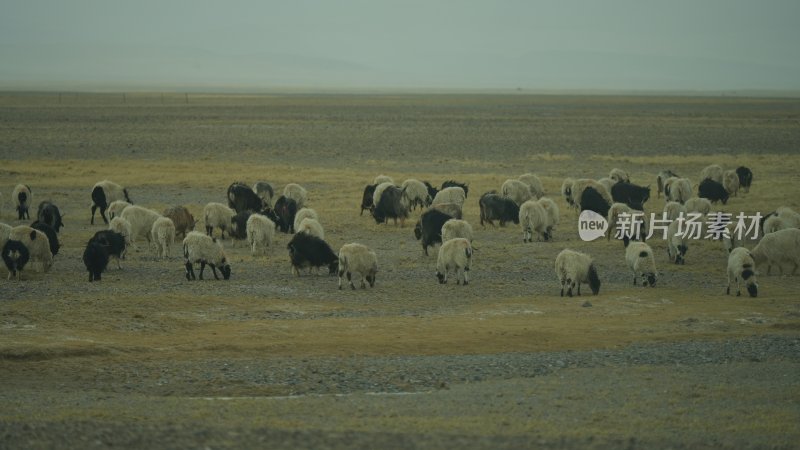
[530, 44]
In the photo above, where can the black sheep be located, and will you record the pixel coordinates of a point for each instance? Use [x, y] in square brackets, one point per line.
[495, 207]
[15, 256]
[745, 177]
[285, 209]
[48, 213]
[630, 194]
[366, 198]
[310, 251]
[713, 191]
[242, 198]
[48, 231]
[114, 242]
[429, 228]
[95, 258]
[239, 225]
[594, 201]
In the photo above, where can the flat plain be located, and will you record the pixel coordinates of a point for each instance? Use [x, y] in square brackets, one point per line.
[147, 359]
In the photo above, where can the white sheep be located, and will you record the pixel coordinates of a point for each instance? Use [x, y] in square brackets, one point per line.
[791, 218]
[566, 191]
[415, 193]
[357, 258]
[579, 185]
[730, 181]
[162, 234]
[635, 218]
[455, 254]
[779, 248]
[312, 227]
[123, 227]
[116, 207]
[516, 190]
[534, 218]
[452, 194]
[36, 242]
[534, 184]
[451, 209]
[742, 269]
[619, 175]
[553, 213]
[678, 190]
[197, 247]
[383, 179]
[217, 215]
[141, 220]
[713, 172]
[673, 210]
[640, 260]
[698, 205]
[22, 199]
[304, 213]
[260, 233]
[574, 268]
[456, 228]
[297, 193]
[677, 243]
[775, 223]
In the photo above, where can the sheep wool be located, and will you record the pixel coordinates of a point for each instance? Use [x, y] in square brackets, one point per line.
[141, 220]
[534, 219]
[197, 247]
[163, 235]
[452, 194]
[534, 184]
[639, 257]
[574, 268]
[260, 233]
[312, 227]
[304, 213]
[217, 215]
[357, 258]
[456, 228]
[516, 190]
[36, 242]
[781, 248]
[297, 193]
[455, 254]
[742, 270]
[713, 172]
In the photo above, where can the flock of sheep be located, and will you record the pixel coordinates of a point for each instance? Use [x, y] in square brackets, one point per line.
[251, 215]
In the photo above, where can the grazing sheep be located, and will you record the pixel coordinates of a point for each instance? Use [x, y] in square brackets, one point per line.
[50, 214]
[312, 227]
[163, 235]
[378, 192]
[619, 176]
[697, 205]
[593, 200]
[285, 211]
[265, 192]
[451, 194]
[182, 218]
[380, 179]
[36, 242]
[635, 222]
[95, 258]
[428, 228]
[304, 213]
[566, 191]
[416, 193]
[116, 207]
[582, 183]
[712, 172]
[454, 183]
[713, 191]
[640, 260]
[217, 215]
[673, 210]
[103, 193]
[357, 258]
[114, 242]
[310, 251]
[778, 248]
[574, 268]
[630, 194]
[242, 198]
[678, 190]
[661, 179]
[456, 228]
[260, 233]
[390, 206]
[366, 198]
[22, 198]
[451, 209]
[141, 220]
[775, 223]
[455, 254]
[516, 190]
[123, 227]
[534, 184]
[534, 218]
[494, 207]
[197, 247]
[553, 213]
[730, 181]
[742, 268]
[15, 257]
[297, 193]
[745, 177]
[677, 243]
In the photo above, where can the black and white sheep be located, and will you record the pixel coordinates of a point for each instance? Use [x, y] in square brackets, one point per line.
[534, 184]
[632, 195]
[198, 247]
[260, 233]
[742, 269]
[242, 198]
[141, 220]
[103, 193]
[516, 190]
[712, 172]
[428, 228]
[416, 193]
[495, 207]
[534, 219]
[265, 192]
[574, 268]
[390, 206]
[677, 243]
[162, 235]
[661, 179]
[730, 181]
[357, 258]
[713, 191]
[15, 257]
[297, 193]
[217, 215]
[310, 251]
[50, 214]
[745, 178]
[115, 243]
[456, 255]
[182, 219]
[285, 211]
[95, 258]
[123, 227]
[22, 198]
[36, 242]
[456, 228]
[639, 257]
[779, 248]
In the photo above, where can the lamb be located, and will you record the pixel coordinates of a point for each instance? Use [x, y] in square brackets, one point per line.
[50, 214]
[494, 207]
[141, 220]
[678, 190]
[712, 172]
[534, 184]
[451, 194]
[123, 227]
[635, 223]
[22, 198]
[260, 232]
[742, 268]
[15, 256]
[534, 218]
[661, 179]
[36, 242]
[297, 193]
[677, 243]
[357, 258]
[640, 260]
[312, 227]
[302, 214]
[455, 228]
[198, 247]
[103, 193]
[516, 190]
[730, 181]
[182, 219]
[697, 205]
[619, 176]
[116, 207]
[163, 235]
[713, 191]
[673, 210]
[416, 193]
[745, 177]
[455, 254]
[779, 248]
[114, 242]
[380, 179]
[265, 192]
[217, 215]
[310, 251]
[95, 258]
[574, 268]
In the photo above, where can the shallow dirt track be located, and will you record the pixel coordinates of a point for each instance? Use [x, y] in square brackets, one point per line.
[146, 359]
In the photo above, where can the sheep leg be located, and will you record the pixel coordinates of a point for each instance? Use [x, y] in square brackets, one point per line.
[634, 279]
[350, 280]
[94, 208]
[202, 268]
[465, 271]
[579, 288]
[189, 271]
[214, 270]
